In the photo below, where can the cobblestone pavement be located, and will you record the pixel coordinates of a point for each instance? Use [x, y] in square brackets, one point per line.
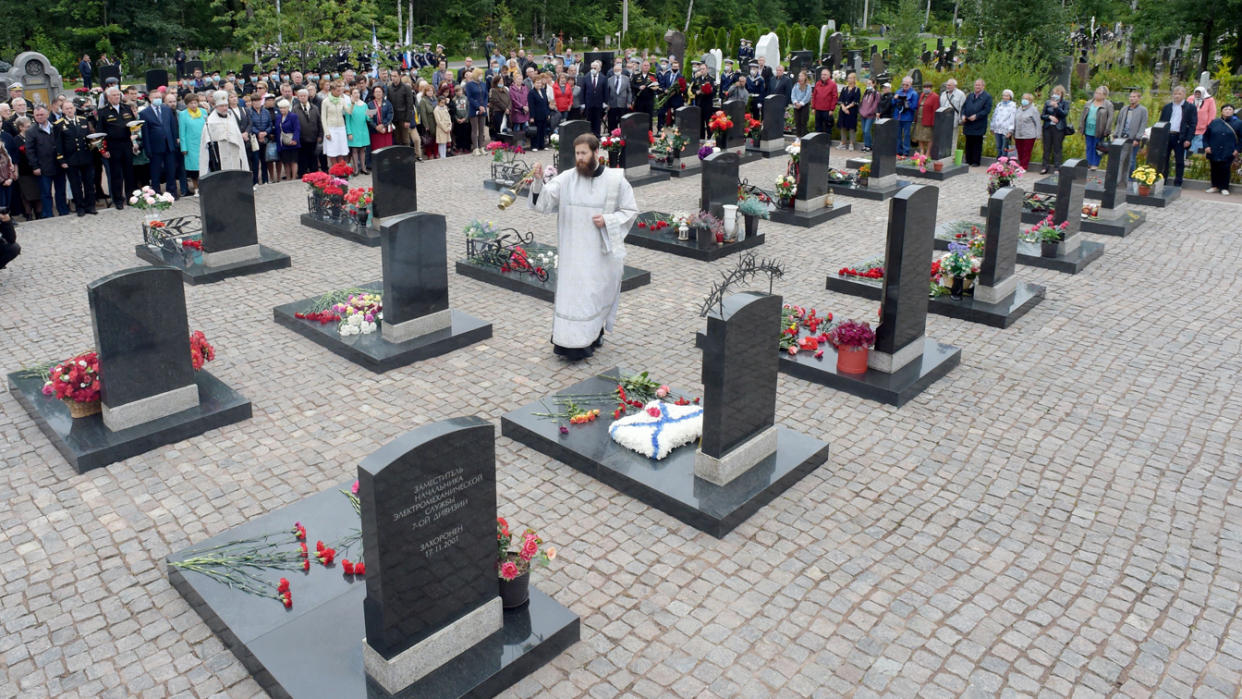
[1060, 514]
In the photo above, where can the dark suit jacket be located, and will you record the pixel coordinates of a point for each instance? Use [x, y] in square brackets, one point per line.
[41, 150]
[593, 90]
[979, 106]
[159, 133]
[1190, 118]
[402, 98]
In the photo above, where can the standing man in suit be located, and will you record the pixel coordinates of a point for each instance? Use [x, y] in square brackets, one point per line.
[179, 59]
[401, 95]
[593, 88]
[618, 96]
[975, 111]
[1181, 117]
[41, 154]
[114, 117]
[160, 134]
[74, 155]
[671, 82]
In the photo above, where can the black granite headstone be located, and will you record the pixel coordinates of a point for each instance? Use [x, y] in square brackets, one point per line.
[246, 71]
[740, 371]
[736, 111]
[634, 129]
[800, 61]
[942, 134]
[142, 334]
[813, 166]
[773, 118]
[676, 43]
[428, 530]
[1116, 176]
[1071, 188]
[911, 233]
[394, 180]
[883, 148]
[719, 182]
[877, 64]
[916, 79]
[156, 77]
[567, 132]
[940, 54]
[414, 251]
[1000, 251]
[226, 206]
[835, 44]
[1158, 147]
[105, 72]
[191, 66]
[690, 126]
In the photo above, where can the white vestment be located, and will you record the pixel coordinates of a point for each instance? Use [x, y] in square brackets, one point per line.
[588, 276]
[223, 130]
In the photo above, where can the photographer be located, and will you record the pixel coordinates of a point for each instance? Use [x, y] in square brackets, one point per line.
[905, 105]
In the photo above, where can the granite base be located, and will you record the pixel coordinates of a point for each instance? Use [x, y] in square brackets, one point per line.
[998, 315]
[668, 485]
[1029, 254]
[807, 219]
[682, 167]
[87, 444]
[762, 152]
[1121, 226]
[653, 175]
[874, 194]
[1094, 185]
[372, 350]
[369, 237]
[198, 273]
[1168, 195]
[903, 170]
[529, 284]
[666, 241]
[315, 648]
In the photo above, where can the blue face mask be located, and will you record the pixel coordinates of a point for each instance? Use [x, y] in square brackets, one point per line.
[1026, 102]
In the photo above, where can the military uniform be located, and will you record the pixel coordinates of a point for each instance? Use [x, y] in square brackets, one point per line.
[75, 157]
[703, 101]
[114, 122]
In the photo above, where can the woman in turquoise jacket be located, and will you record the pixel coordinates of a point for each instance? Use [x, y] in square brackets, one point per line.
[190, 123]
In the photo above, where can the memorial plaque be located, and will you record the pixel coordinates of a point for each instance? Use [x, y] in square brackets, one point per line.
[414, 249]
[883, 148]
[903, 304]
[567, 132]
[634, 129]
[1116, 177]
[226, 206]
[736, 111]
[943, 132]
[1000, 251]
[719, 182]
[395, 181]
[428, 530]
[1071, 188]
[1158, 147]
[142, 337]
[813, 167]
[740, 371]
[690, 125]
[773, 119]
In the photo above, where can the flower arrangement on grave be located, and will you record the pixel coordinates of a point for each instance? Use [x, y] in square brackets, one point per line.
[613, 143]
[709, 224]
[336, 306]
[554, 140]
[669, 145]
[1146, 176]
[499, 148]
[955, 270]
[359, 200]
[1039, 203]
[634, 391]
[800, 330]
[326, 194]
[853, 341]
[754, 128]
[794, 150]
[707, 149]
[513, 567]
[481, 230]
[871, 269]
[753, 205]
[920, 161]
[1046, 231]
[239, 564]
[786, 188]
[192, 244]
[201, 350]
[719, 123]
[1003, 173]
[656, 223]
[341, 170]
[1091, 210]
[864, 172]
[150, 202]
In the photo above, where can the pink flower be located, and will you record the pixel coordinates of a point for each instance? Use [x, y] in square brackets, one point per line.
[354, 489]
[662, 391]
[509, 570]
[530, 546]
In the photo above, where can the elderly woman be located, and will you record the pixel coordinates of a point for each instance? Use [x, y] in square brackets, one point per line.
[288, 141]
[332, 113]
[498, 104]
[222, 146]
[379, 116]
[1220, 145]
[1206, 106]
[1026, 127]
[1001, 123]
[1055, 117]
[356, 132]
[190, 124]
[1094, 123]
[476, 105]
[519, 110]
[425, 108]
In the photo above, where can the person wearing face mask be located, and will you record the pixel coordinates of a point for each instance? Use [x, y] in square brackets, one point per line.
[594, 89]
[1056, 109]
[1132, 125]
[756, 86]
[1026, 127]
[1001, 122]
[929, 102]
[618, 99]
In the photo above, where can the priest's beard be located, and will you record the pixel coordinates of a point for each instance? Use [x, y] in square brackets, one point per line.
[586, 169]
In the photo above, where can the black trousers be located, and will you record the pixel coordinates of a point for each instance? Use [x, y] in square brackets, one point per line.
[121, 171]
[1220, 173]
[164, 169]
[823, 121]
[307, 162]
[974, 149]
[9, 248]
[1052, 146]
[1178, 150]
[614, 118]
[596, 117]
[82, 183]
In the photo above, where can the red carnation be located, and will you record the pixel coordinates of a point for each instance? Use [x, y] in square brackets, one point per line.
[360, 568]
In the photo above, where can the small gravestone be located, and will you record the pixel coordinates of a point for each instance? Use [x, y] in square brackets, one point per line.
[916, 79]
[856, 61]
[899, 339]
[567, 132]
[634, 129]
[813, 166]
[735, 137]
[1000, 251]
[395, 181]
[739, 387]
[835, 45]
[105, 72]
[1071, 188]
[604, 58]
[877, 64]
[883, 154]
[940, 55]
[156, 77]
[1113, 201]
[191, 66]
[942, 135]
[142, 336]
[428, 509]
[719, 183]
[246, 71]
[772, 136]
[226, 206]
[414, 251]
[676, 43]
[1158, 147]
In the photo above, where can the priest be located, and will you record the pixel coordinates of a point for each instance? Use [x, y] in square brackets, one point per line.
[596, 208]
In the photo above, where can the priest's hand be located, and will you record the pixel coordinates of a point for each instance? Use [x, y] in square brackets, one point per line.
[598, 220]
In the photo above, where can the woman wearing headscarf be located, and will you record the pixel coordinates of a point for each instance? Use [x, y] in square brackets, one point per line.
[222, 146]
[1206, 106]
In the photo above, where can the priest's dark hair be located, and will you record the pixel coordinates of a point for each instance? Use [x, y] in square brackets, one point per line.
[590, 140]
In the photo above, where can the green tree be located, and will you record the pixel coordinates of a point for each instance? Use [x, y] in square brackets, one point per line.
[1042, 27]
[904, 25]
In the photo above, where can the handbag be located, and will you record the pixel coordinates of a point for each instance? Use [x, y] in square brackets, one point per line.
[287, 139]
[1069, 130]
[270, 151]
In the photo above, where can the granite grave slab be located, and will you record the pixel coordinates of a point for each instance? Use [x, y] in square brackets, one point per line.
[666, 240]
[812, 190]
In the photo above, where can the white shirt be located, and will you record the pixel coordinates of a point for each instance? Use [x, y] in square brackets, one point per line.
[1175, 119]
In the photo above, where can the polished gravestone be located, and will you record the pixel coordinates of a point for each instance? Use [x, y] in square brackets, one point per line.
[689, 123]
[566, 133]
[810, 204]
[772, 137]
[156, 77]
[150, 393]
[1162, 193]
[1073, 253]
[735, 137]
[105, 72]
[230, 236]
[636, 132]
[718, 187]
[882, 183]
[744, 461]
[941, 151]
[1114, 216]
[998, 299]
[315, 648]
[904, 361]
[835, 44]
[418, 322]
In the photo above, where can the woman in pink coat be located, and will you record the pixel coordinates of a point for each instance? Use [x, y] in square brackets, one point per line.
[1207, 112]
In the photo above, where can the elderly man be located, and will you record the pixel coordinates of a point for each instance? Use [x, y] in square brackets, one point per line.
[160, 136]
[950, 96]
[41, 152]
[594, 86]
[113, 119]
[7, 119]
[15, 92]
[618, 97]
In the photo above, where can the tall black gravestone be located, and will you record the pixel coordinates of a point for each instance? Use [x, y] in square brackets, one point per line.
[883, 154]
[877, 64]
[690, 126]
[142, 336]
[835, 45]
[395, 181]
[1158, 147]
[1116, 179]
[813, 171]
[903, 305]
[634, 129]
[105, 72]
[772, 137]
[191, 66]
[414, 251]
[156, 77]
[1071, 188]
[567, 132]
[429, 540]
[735, 138]
[226, 206]
[1000, 251]
[719, 183]
[800, 61]
[942, 135]
[739, 386]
